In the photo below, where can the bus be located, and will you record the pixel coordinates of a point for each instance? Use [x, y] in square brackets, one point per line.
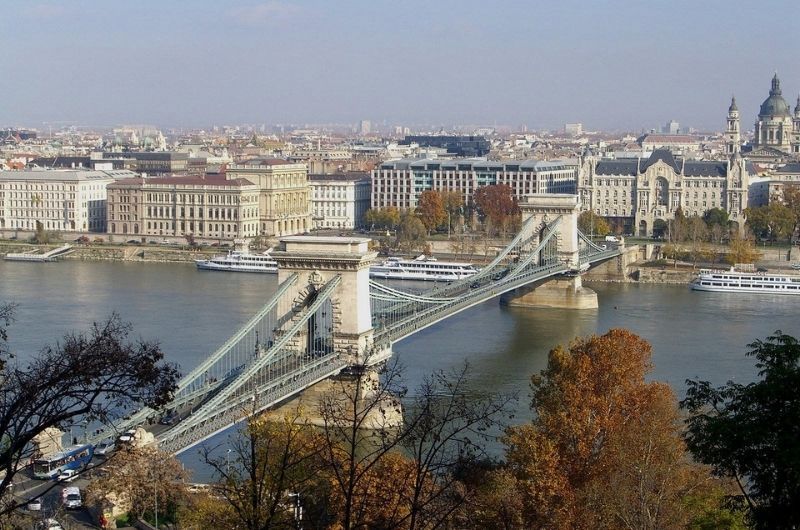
[75, 457]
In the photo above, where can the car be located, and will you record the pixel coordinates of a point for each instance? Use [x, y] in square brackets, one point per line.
[105, 447]
[49, 524]
[134, 242]
[796, 266]
[127, 437]
[35, 505]
[68, 475]
[71, 498]
[171, 418]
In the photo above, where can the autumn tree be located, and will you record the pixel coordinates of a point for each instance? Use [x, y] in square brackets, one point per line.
[604, 449]
[591, 223]
[93, 376]
[152, 481]
[716, 217]
[741, 251]
[430, 209]
[496, 205]
[750, 432]
[268, 459]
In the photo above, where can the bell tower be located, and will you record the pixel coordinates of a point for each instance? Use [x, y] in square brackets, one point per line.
[796, 128]
[732, 134]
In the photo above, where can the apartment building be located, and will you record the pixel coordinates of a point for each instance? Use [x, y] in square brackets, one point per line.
[64, 200]
[400, 182]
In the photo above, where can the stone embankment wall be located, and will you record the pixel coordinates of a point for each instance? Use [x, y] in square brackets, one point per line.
[117, 253]
[666, 275]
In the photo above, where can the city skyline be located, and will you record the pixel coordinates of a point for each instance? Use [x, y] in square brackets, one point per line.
[610, 65]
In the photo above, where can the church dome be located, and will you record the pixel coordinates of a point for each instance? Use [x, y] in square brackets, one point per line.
[775, 105]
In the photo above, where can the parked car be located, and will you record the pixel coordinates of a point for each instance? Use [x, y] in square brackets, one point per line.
[68, 475]
[35, 505]
[134, 242]
[104, 447]
[71, 498]
[796, 266]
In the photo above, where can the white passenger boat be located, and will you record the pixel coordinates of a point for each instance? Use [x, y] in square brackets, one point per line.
[421, 268]
[733, 281]
[238, 261]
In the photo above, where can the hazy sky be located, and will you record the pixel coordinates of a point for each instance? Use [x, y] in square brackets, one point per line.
[609, 64]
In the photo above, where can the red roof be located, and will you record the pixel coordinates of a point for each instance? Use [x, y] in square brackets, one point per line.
[187, 181]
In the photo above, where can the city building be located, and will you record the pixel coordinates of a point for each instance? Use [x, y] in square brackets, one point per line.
[672, 127]
[339, 200]
[400, 182]
[677, 143]
[462, 146]
[323, 161]
[364, 127]
[635, 193]
[284, 194]
[765, 190]
[61, 200]
[150, 163]
[211, 208]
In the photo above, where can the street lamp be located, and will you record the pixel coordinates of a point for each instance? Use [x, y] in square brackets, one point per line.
[298, 510]
[228, 460]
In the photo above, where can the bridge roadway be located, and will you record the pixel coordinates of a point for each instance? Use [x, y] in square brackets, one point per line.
[281, 371]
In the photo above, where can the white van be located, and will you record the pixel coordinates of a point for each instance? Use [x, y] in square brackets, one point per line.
[71, 498]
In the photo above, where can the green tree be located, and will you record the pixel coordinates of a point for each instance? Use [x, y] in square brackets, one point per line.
[750, 432]
[716, 216]
[772, 222]
[430, 209]
[591, 223]
[660, 228]
[411, 233]
[382, 218]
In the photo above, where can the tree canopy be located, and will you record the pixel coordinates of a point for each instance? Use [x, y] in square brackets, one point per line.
[430, 209]
[496, 205]
[750, 432]
[591, 223]
[94, 376]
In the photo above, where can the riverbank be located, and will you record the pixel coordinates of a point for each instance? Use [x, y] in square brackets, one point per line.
[127, 253]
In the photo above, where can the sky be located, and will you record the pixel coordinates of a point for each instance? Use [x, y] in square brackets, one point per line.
[612, 65]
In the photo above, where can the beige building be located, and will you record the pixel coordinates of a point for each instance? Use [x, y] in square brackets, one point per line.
[323, 161]
[212, 208]
[284, 194]
[64, 200]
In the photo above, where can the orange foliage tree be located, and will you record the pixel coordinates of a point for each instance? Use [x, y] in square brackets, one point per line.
[496, 205]
[430, 209]
[604, 449]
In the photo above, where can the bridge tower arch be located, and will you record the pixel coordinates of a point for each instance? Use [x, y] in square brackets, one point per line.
[318, 259]
[545, 208]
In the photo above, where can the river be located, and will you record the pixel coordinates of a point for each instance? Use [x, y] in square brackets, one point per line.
[191, 312]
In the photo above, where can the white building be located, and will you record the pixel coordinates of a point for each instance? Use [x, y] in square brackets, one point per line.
[67, 200]
[339, 200]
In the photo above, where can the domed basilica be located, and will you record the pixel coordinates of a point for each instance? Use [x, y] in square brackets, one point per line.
[777, 130]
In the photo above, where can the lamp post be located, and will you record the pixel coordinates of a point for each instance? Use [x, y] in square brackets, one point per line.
[228, 461]
[298, 510]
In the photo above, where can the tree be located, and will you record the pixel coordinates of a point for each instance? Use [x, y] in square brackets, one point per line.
[604, 449]
[742, 251]
[382, 218]
[591, 223]
[453, 203]
[750, 432]
[145, 477]
[677, 226]
[791, 198]
[496, 205]
[411, 233]
[190, 240]
[716, 217]
[660, 228]
[266, 460]
[430, 209]
[87, 376]
[772, 222]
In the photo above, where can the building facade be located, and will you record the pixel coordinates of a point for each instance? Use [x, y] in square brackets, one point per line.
[399, 183]
[64, 200]
[775, 126]
[151, 162]
[635, 193]
[323, 161]
[284, 194]
[340, 200]
[178, 206]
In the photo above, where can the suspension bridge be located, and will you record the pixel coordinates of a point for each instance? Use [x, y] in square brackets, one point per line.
[327, 315]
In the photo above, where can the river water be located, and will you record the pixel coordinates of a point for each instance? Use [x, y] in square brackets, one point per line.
[191, 312]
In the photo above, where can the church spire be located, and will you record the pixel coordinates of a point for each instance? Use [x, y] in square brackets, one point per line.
[776, 86]
[733, 106]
